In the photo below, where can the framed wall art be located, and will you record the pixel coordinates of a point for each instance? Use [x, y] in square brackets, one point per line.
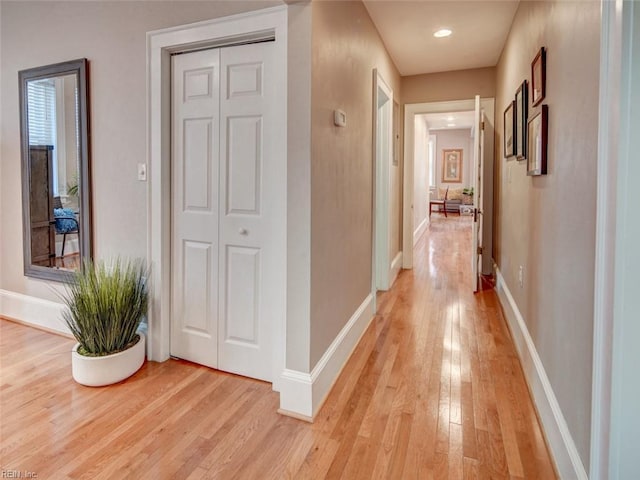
[509, 140]
[537, 151]
[538, 77]
[452, 166]
[521, 121]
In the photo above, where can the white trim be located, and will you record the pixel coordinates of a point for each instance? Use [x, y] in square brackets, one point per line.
[381, 268]
[478, 188]
[33, 311]
[561, 444]
[420, 230]
[296, 394]
[410, 111]
[160, 44]
[396, 265]
[302, 394]
[608, 138]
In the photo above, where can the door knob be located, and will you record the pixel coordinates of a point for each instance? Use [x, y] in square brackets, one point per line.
[243, 231]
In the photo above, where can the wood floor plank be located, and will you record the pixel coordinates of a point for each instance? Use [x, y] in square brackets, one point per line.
[434, 390]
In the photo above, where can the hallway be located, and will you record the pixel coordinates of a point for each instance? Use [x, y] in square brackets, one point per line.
[472, 414]
[434, 390]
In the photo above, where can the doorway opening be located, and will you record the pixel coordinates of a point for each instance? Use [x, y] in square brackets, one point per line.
[448, 171]
[443, 157]
[387, 258]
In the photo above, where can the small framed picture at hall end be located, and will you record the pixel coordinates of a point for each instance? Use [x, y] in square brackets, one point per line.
[537, 151]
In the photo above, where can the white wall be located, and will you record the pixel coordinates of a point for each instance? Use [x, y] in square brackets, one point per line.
[420, 176]
[449, 139]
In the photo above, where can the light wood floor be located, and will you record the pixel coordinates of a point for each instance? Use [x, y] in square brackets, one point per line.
[435, 390]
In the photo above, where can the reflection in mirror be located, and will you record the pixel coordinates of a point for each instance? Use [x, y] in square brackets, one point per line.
[55, 168]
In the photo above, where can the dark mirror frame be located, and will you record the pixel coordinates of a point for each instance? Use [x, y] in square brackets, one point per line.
[80, 69]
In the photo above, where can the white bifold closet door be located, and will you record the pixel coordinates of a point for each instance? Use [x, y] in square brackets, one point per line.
[228, 209]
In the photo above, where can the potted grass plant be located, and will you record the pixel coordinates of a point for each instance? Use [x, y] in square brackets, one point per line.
[106, 303]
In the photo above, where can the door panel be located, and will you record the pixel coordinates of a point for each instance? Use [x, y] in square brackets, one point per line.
[195, 206]
[243, 294]
[196, 176]
[244, 79]
[196, 277]
[252, 221]
[244, 161]
[228, 209]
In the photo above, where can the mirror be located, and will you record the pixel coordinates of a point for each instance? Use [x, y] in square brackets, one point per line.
[55, 168]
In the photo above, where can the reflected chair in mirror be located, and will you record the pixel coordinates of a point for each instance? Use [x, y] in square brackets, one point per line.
[66, 222]
[440, 203]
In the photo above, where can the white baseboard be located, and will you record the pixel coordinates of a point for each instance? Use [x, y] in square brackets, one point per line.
[33, 311]
[563, 448]
[396, 265]
[302, 394]
[420, 230]
[296, 394]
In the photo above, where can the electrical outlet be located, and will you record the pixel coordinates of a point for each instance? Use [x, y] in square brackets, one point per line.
[521, 276]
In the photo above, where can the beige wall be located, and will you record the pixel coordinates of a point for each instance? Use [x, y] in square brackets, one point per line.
[456, 85]
[112, 36]
[299, 187]
[547, 223]
[346, 49]
[454, 139]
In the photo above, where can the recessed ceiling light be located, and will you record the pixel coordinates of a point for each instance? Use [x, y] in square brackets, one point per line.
[451, 124]
[449, 119]
[443, 32]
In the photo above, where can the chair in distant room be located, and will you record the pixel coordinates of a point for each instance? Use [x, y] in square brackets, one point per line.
[440, 203]
[65, 222]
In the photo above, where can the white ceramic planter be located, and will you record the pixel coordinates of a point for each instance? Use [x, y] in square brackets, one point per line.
[100, 371]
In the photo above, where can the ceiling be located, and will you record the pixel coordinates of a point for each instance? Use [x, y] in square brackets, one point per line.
[479, 28]
[450, 121]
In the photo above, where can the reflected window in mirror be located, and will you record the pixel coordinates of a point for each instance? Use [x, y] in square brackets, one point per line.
[55, 168]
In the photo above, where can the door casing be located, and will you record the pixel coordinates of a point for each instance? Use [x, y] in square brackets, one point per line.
[382, 158]
[410, 111]
[253, 26]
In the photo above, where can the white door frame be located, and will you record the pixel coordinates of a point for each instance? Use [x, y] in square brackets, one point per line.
[381, 267]
[478, 187]
[252, 26]
[614, 418]
[410, 111]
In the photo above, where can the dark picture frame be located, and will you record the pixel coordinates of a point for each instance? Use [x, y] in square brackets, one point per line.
[522, 101]
[38, 217]
[509, 123]
[538, 77]
[537, 130]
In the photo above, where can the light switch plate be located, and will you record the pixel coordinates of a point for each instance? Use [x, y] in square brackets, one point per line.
[339, 118]
[142, 172]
